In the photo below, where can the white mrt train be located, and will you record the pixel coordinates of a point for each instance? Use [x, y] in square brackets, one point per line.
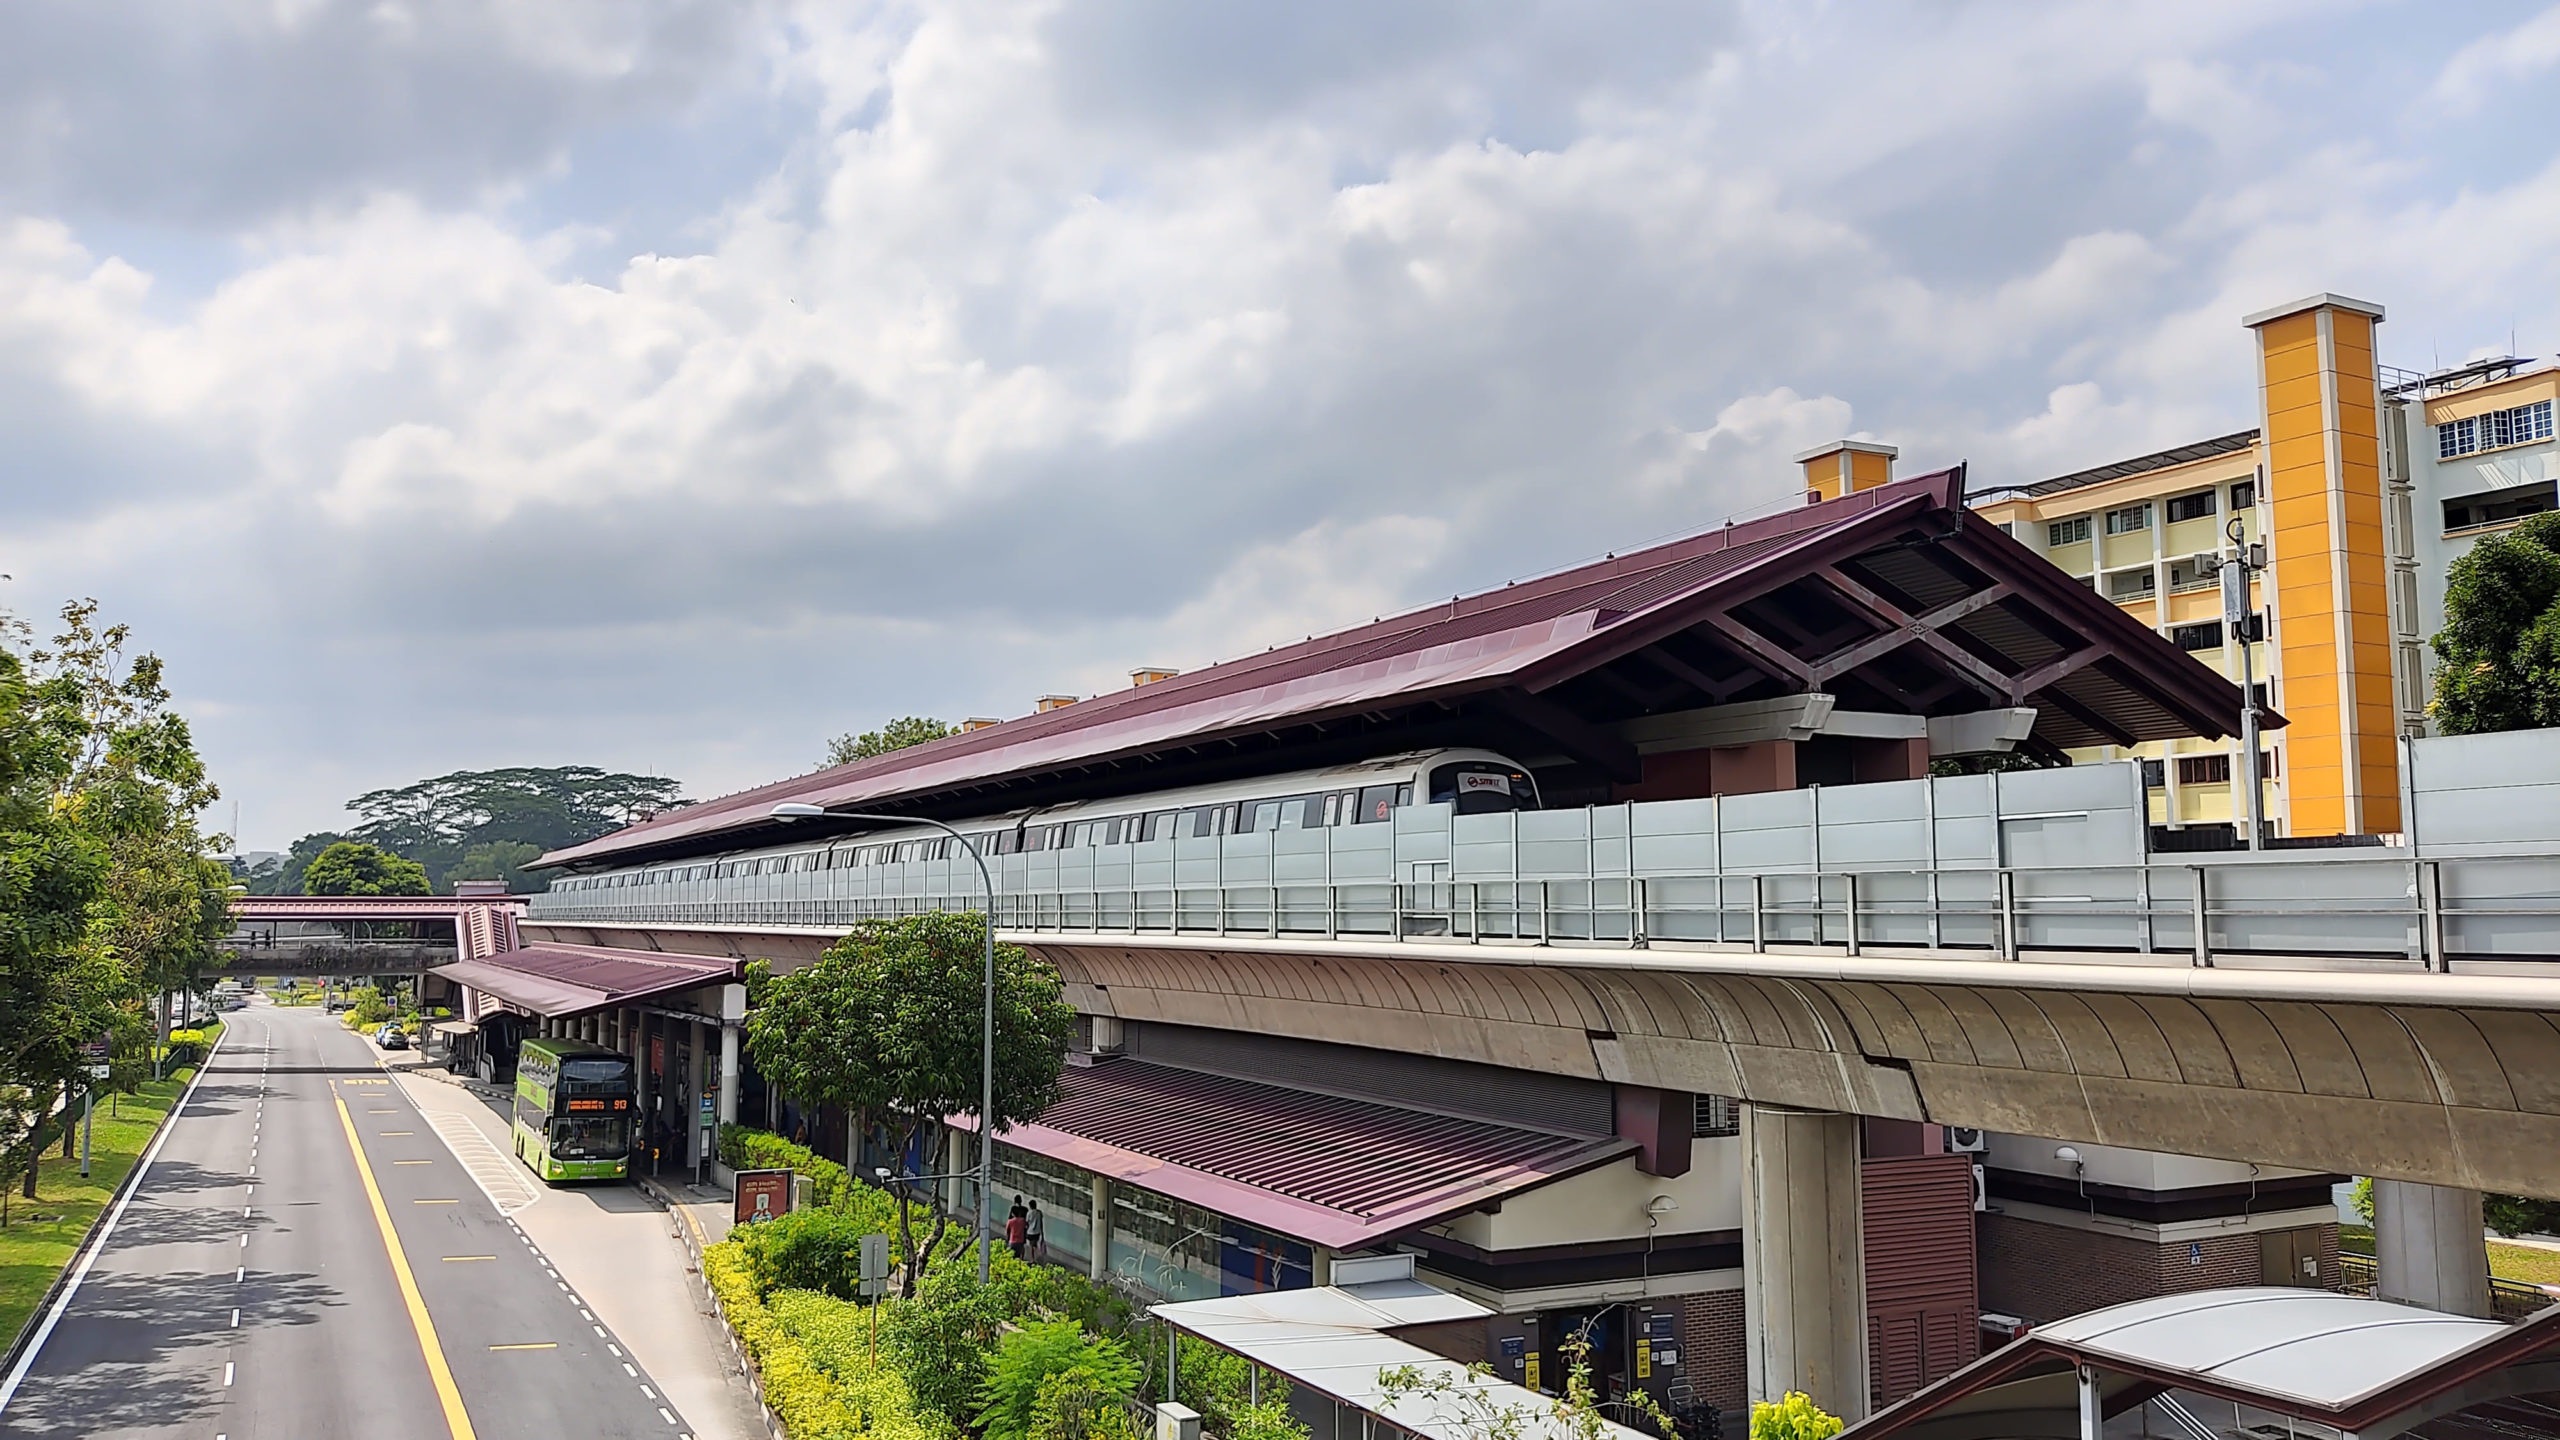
[1473, 782]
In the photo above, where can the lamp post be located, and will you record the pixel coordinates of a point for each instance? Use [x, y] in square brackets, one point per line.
[791, 810]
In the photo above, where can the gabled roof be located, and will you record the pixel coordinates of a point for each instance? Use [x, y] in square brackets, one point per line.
[2342, 1361]
[1897, 598]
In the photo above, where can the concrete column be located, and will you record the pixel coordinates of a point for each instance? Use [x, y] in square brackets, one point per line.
[640, 1070]
[1804, 1281]
[692, 1117]
[2430, 1248]
[1099, 1221]
[733, 1014]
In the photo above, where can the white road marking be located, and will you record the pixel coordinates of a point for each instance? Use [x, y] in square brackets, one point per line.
[498, 1174]
[226, 1374]
[645, 1390]
[235, 1317]
[599, 1332]
[668, 1414]
[240, 1274]
[627, 1369]
[616, 1349]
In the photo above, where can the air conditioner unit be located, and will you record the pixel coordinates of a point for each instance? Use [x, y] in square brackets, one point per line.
[1964, 1141]
[1981, 1188]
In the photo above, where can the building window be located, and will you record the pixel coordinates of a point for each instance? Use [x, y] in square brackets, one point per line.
[2152, 774]
[2129, 519]
[2066, 532]
[2204, 769]
[2204, 635]
[2131, 584]
[2244, 495]
[2498, 506]
[2522, 425]
[2008, 527]
[1715, 1117]
[2191, 507]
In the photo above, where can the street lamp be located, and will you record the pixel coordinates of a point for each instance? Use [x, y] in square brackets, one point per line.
[791, 810]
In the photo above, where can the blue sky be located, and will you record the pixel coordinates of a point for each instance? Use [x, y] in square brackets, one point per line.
[669, 386]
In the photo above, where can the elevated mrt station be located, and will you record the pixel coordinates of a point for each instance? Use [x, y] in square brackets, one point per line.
[1607, 944]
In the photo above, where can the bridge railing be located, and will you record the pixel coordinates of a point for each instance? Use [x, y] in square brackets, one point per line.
[2319, 909]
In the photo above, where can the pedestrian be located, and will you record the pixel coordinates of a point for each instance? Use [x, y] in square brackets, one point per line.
[1035, 1233]
[1017, 1228]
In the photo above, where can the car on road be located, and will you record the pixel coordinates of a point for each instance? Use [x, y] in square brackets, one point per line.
[337, 1004]
[391, 1037]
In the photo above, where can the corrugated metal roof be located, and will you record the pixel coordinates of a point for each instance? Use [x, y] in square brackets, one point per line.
[2237, 440]
[1319, 1168]
[551, 980]
[1532, 636]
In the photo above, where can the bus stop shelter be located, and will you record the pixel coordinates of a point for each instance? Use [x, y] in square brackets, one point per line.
[2270, 1362]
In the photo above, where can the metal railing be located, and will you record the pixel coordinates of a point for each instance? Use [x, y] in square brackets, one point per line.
[2509, 1300]
[2318, 908]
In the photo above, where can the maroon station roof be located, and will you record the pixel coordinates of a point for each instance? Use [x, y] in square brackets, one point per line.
[553, 980]
[1319, 1168]
[1895, 599]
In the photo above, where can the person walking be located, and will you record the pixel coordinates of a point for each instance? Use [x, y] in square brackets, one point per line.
[1016, 1228]
[1035, 1233]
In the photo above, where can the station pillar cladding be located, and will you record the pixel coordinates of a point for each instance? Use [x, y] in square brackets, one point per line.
[2331, 619]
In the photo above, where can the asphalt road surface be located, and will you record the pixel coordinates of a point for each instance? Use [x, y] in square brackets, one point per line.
[339, 1274]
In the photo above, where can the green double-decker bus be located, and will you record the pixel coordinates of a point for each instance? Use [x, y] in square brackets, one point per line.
[573, 1110]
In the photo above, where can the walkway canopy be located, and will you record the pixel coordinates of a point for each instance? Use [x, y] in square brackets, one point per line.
[556, 980]
[1336, 1340]
[2365, 1368]
[1324, 1169]
[1895, 599]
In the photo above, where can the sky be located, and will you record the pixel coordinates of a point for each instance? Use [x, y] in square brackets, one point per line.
[669, 385]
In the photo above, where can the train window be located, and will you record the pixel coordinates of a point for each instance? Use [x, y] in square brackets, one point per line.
[1159, 826]
[1257, 817]
[1196, 823]
[1482, 789]
[1301, 812]
[1106, 832]
[1377, 802]
[1332, 809]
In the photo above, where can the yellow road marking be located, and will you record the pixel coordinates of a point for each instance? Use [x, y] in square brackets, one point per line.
[382, 1112]
[458, 1259]
[435, 1202]
[457, 1421]
[413, 1162]
[541, 1345]
[395, 1134]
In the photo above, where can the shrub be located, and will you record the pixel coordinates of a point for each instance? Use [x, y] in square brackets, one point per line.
[743, 1148]
[837, 1336]
[805, 1250]
[1269, 1420]
[794, 1385]
[1794, 1418]
[1030, 1356]
[1077, 1404]
[189, 1047]
[939, 1340]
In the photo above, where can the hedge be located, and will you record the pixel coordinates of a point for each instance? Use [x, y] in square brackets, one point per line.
[813, 1354]
[744, 1148]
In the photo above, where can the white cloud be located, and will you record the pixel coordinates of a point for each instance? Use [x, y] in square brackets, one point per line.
[729, 376]
[2486, 72]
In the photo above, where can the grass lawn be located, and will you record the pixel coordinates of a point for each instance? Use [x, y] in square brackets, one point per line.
[41, 1233]
[2508, 1262]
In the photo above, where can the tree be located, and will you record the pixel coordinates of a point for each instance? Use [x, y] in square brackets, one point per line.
[1465, 1402]
[886, 1024]
[1032, 1355]
[102, 786]
[352, 867]
[898, 734]
[439, 822]
[284, 877]
[2499, 650]
[501, 860]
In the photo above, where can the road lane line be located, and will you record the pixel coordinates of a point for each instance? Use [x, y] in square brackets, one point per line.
[537, 1345]
[456, 1419]
[226, 1374]
[106, 1232]
[466, 1259]
[413, 1162]
[435, 1202]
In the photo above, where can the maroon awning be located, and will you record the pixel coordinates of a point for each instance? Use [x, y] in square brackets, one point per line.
[554, 980]
[1319, 1168]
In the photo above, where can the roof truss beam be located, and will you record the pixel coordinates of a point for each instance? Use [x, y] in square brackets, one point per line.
[1571, 733]
[1906, 628]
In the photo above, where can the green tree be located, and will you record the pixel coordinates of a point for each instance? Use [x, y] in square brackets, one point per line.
[352, 867]
[885, 1023]
[104, 786]
[1033, 1354]
[898, 734]
[284, 877]
[2499, 651]
[439, 822]
[939, 1338]
[501, 860]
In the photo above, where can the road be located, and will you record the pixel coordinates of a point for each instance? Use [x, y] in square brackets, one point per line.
[340, 1274]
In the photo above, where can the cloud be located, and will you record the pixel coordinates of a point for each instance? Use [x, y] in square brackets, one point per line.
[675, 385]
[2487, 71]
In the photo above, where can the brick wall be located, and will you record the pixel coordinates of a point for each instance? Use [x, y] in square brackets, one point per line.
[2045, 1272]
[1711, 1352]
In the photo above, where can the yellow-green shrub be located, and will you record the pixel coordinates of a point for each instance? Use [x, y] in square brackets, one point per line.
[814, 1353]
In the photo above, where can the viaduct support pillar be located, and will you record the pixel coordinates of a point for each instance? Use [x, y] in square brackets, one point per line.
[1804, 1279]
[1100, 1221]
[2428, 1247]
